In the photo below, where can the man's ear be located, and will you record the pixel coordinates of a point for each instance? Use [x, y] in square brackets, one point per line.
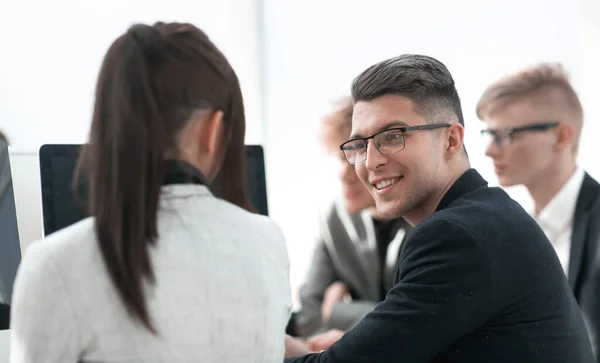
[565, 134]
[455, 138]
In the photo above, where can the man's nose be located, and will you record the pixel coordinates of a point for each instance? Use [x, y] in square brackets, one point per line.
[374, 157]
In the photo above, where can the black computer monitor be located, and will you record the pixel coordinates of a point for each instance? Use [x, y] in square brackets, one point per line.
[61, 208]
[10, 248]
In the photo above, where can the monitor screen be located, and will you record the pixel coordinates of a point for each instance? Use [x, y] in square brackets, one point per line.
[10, 248]
[61, 208]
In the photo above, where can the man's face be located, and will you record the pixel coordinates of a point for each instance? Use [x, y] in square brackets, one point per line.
[404, 181]
[525, 156]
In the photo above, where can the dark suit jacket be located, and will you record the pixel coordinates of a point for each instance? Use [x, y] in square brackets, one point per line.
[584, 263]
[478, 281]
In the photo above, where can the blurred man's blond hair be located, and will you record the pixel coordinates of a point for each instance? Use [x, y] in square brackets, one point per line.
[544, 84]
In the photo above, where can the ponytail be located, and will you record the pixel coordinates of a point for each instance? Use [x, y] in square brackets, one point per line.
[152, 80]
[127, 170]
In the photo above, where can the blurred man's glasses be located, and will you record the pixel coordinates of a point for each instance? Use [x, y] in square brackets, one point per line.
[504, 136]
[387, 142]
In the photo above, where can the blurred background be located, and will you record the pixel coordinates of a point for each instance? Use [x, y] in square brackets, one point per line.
[294, 60]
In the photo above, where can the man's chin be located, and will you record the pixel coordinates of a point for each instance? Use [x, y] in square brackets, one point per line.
[389, 210]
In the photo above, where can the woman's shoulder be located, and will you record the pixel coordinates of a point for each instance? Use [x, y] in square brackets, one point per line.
[75, 244]
[234, 215]
[49, 266]
[67, 240]
[261, 225]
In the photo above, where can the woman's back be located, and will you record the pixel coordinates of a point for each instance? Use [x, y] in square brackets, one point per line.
[221, 291]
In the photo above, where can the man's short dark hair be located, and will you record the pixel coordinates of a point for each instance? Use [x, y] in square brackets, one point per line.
[424, 80]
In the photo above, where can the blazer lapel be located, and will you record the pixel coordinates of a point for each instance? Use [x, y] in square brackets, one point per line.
[577, 245]
[370, 260]
[587, 198]
[365, 264]
[391, 261]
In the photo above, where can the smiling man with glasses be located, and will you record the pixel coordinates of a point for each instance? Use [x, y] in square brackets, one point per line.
[533, 120]
[477, 280]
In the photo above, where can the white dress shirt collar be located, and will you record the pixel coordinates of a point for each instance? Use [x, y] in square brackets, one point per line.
[558, 214]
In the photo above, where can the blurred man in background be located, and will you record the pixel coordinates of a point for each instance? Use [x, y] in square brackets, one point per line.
[533, 121]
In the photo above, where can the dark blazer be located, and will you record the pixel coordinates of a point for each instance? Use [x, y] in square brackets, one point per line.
[478, 281]
[584, 263]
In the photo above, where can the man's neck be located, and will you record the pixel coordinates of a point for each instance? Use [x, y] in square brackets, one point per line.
[428, 208]
[547, 185]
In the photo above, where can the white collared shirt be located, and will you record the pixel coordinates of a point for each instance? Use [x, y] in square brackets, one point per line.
[556, 219]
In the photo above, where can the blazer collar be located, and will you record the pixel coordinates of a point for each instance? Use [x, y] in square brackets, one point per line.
[588, 197]
[467, 182]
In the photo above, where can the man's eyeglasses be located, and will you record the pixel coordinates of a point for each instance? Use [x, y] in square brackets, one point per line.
[504, 136]
[387, 142]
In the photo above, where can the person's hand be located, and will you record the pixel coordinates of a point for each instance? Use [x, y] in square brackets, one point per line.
[334, 294]
[295, 347]
[325, 340]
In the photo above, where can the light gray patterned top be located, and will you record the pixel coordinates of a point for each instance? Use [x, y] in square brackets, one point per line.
[222, 292]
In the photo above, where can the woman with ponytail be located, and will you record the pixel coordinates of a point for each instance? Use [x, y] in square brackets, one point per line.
[162, 271]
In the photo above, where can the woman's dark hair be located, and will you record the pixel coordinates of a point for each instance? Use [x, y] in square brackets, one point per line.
[153, 79]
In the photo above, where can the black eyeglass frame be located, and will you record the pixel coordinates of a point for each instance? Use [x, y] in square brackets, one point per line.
[403, 131]
[510, 131]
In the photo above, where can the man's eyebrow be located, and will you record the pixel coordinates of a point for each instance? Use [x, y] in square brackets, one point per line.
[387, 126]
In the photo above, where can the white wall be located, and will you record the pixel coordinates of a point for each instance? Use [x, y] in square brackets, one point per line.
[52, 50]
[4, 345]
[314, 48]
[51, 58]
[25, 169]
[589, 71]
